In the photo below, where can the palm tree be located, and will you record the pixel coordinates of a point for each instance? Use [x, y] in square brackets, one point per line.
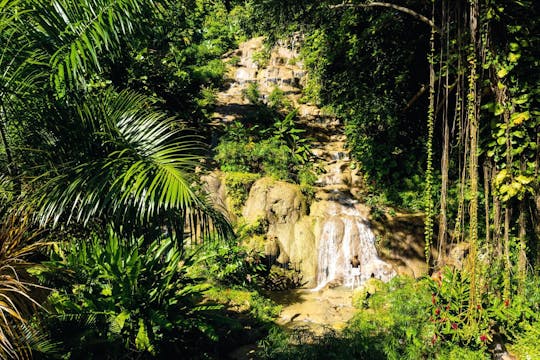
[103, 155]
[132, 167]
[49, 48]
[110, 156]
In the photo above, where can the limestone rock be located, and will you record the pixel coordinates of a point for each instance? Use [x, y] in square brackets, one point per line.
[457, 254]
[277, 201]
[272, 247]
[303, 250]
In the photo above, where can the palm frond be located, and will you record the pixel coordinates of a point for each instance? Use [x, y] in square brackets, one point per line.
[8, 13]
[39, 343]
[16, 302]
[136, 168]
[76, 33]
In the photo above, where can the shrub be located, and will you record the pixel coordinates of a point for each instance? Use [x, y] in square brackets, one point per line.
[259, 307]
[261, 57]
[252, 93]
[238, 185]
[273, 156]
[509, 320]
[526, 345]
[235, 156]
[230, 265]
[278, 101]
[280, 151]
[117, 298]
[394, 321]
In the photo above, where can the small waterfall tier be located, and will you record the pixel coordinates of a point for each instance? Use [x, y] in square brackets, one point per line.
[345, 234]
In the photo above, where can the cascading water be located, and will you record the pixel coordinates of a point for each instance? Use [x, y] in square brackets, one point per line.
[345, 235]
[322, 243]
[345, 232]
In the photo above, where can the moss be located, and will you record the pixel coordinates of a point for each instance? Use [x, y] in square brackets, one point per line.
[238, 186]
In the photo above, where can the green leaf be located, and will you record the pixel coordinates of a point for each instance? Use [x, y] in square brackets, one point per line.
[490, 106]
[513, 57]
[142, 341]
[119, 321]
[514, 46]
[502, 73]
[501, 176]
[499, 109]
[524, 179]
[106, 290]
[521, 99]
[518, 118]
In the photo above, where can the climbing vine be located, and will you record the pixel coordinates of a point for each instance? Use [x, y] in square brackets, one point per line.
[429, 146]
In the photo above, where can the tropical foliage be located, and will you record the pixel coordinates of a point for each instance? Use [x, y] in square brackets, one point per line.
[118, 298]
[280, 150]
[105, 106]
[84, 151]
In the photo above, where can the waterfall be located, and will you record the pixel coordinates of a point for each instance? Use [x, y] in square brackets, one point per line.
[334, 229]
[346, 234]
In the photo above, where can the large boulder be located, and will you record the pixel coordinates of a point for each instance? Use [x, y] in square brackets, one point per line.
[290, 238]
[303, 250]
[279, 202]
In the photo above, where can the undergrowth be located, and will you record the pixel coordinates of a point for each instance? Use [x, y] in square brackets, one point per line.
[417, 319]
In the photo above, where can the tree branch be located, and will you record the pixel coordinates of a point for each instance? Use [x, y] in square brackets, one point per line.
[391, 6]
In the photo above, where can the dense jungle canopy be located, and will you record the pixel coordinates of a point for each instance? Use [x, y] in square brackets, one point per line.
[112, 248]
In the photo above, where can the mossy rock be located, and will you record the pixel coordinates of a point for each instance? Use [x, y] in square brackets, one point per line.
[256, 243]
[362, 294]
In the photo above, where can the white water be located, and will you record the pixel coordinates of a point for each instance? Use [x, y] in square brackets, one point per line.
[345, 233]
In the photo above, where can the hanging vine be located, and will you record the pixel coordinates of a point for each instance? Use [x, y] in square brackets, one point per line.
[472, 116]
[429, 207]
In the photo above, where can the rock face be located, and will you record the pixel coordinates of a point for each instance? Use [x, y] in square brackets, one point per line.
[320, 238]
[290, 236]
[277, 201]
[279, 68]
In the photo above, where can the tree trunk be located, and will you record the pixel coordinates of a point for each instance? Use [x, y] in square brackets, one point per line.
[444, 190]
